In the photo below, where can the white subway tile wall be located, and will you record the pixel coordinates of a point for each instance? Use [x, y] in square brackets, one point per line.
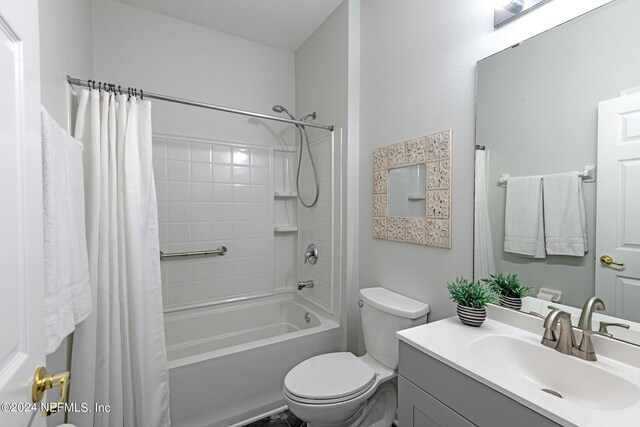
[214, 194]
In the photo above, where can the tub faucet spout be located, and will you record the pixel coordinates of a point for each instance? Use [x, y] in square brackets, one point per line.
[305, 284]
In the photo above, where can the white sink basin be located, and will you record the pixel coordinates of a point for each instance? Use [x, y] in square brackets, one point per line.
[543, 368]
[513, 362]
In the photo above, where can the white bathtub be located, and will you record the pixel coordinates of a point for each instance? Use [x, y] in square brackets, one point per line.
[227, 362]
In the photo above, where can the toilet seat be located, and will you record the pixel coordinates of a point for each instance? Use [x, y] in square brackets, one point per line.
[329, 378]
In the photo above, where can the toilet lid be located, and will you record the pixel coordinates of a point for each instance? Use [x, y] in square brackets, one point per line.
[329, 376]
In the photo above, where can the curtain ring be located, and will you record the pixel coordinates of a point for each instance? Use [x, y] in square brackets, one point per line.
[141, 95]
[120, 89]
[89, 84]
[93, 83]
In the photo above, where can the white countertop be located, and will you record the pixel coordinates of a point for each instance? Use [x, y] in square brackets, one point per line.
[448, 341]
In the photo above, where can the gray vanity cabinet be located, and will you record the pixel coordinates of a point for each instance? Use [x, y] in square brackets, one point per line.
[431, 393]
[417, 408]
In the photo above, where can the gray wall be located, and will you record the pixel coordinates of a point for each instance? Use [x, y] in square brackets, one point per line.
[537, 113]
[66, 47]
[165, 55]
[418, 66]
[321, 70]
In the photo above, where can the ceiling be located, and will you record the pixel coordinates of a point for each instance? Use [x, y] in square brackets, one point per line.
[283, 24]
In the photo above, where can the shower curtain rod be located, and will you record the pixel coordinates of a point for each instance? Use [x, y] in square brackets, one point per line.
[78, 82]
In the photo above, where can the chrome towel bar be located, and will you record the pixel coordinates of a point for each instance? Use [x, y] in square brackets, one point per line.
[221, 251]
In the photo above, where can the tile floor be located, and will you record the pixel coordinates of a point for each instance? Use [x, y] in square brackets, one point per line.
[283, 419]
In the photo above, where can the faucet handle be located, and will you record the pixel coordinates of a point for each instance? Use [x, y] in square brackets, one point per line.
[311, 254]
[605, 325]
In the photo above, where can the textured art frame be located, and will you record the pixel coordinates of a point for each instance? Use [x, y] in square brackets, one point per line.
[434, 151]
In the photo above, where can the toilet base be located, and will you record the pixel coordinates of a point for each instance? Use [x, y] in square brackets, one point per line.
[377, 411]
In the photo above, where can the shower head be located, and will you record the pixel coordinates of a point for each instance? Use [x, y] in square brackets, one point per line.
[281, 109]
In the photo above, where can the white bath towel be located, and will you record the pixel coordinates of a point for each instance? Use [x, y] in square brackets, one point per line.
[523, 223]
[564, 214]
[66, 266]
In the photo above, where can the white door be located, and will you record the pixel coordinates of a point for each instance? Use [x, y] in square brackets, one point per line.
[21, 247]
[618, 206]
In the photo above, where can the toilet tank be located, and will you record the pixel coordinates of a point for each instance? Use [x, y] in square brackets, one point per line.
[384, 313]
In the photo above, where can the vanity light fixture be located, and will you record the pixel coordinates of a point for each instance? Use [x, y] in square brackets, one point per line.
[508, 10]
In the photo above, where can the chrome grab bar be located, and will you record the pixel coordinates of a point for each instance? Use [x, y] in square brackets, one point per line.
[221, 251]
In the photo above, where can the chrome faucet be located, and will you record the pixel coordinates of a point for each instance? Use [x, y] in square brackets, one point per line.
[558, 332]
[592, 304]
[305, 284]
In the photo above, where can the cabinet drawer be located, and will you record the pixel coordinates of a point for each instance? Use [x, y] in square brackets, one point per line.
[417, 408]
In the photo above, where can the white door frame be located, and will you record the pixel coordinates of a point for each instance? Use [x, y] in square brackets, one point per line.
[21, 237]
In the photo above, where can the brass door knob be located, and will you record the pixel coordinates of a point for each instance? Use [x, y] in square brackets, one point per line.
[43, 382]
[607, 260]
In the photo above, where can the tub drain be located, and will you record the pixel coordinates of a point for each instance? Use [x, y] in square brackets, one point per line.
[307, 317]
[552, 392]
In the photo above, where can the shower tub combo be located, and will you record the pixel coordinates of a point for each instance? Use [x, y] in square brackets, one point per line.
[235, 323]
[227, 361]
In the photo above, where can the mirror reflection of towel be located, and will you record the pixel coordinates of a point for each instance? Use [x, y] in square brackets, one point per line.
[523, 224]
[565, 222]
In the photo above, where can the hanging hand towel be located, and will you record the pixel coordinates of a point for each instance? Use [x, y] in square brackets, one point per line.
[523, 225]
[66, 266]
[564, 215]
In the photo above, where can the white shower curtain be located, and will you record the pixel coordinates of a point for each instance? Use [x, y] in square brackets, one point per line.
[119, 356]
[483, 257]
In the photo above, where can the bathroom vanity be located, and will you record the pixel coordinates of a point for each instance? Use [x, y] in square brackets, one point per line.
[431, 393]
[501, 375]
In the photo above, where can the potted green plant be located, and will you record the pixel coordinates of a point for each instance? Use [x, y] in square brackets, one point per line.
[508, 288]
[472, 298]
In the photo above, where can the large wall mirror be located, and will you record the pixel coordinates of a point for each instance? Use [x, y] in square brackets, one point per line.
[559, 102]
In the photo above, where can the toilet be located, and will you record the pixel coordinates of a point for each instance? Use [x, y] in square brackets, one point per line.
[340, 389]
